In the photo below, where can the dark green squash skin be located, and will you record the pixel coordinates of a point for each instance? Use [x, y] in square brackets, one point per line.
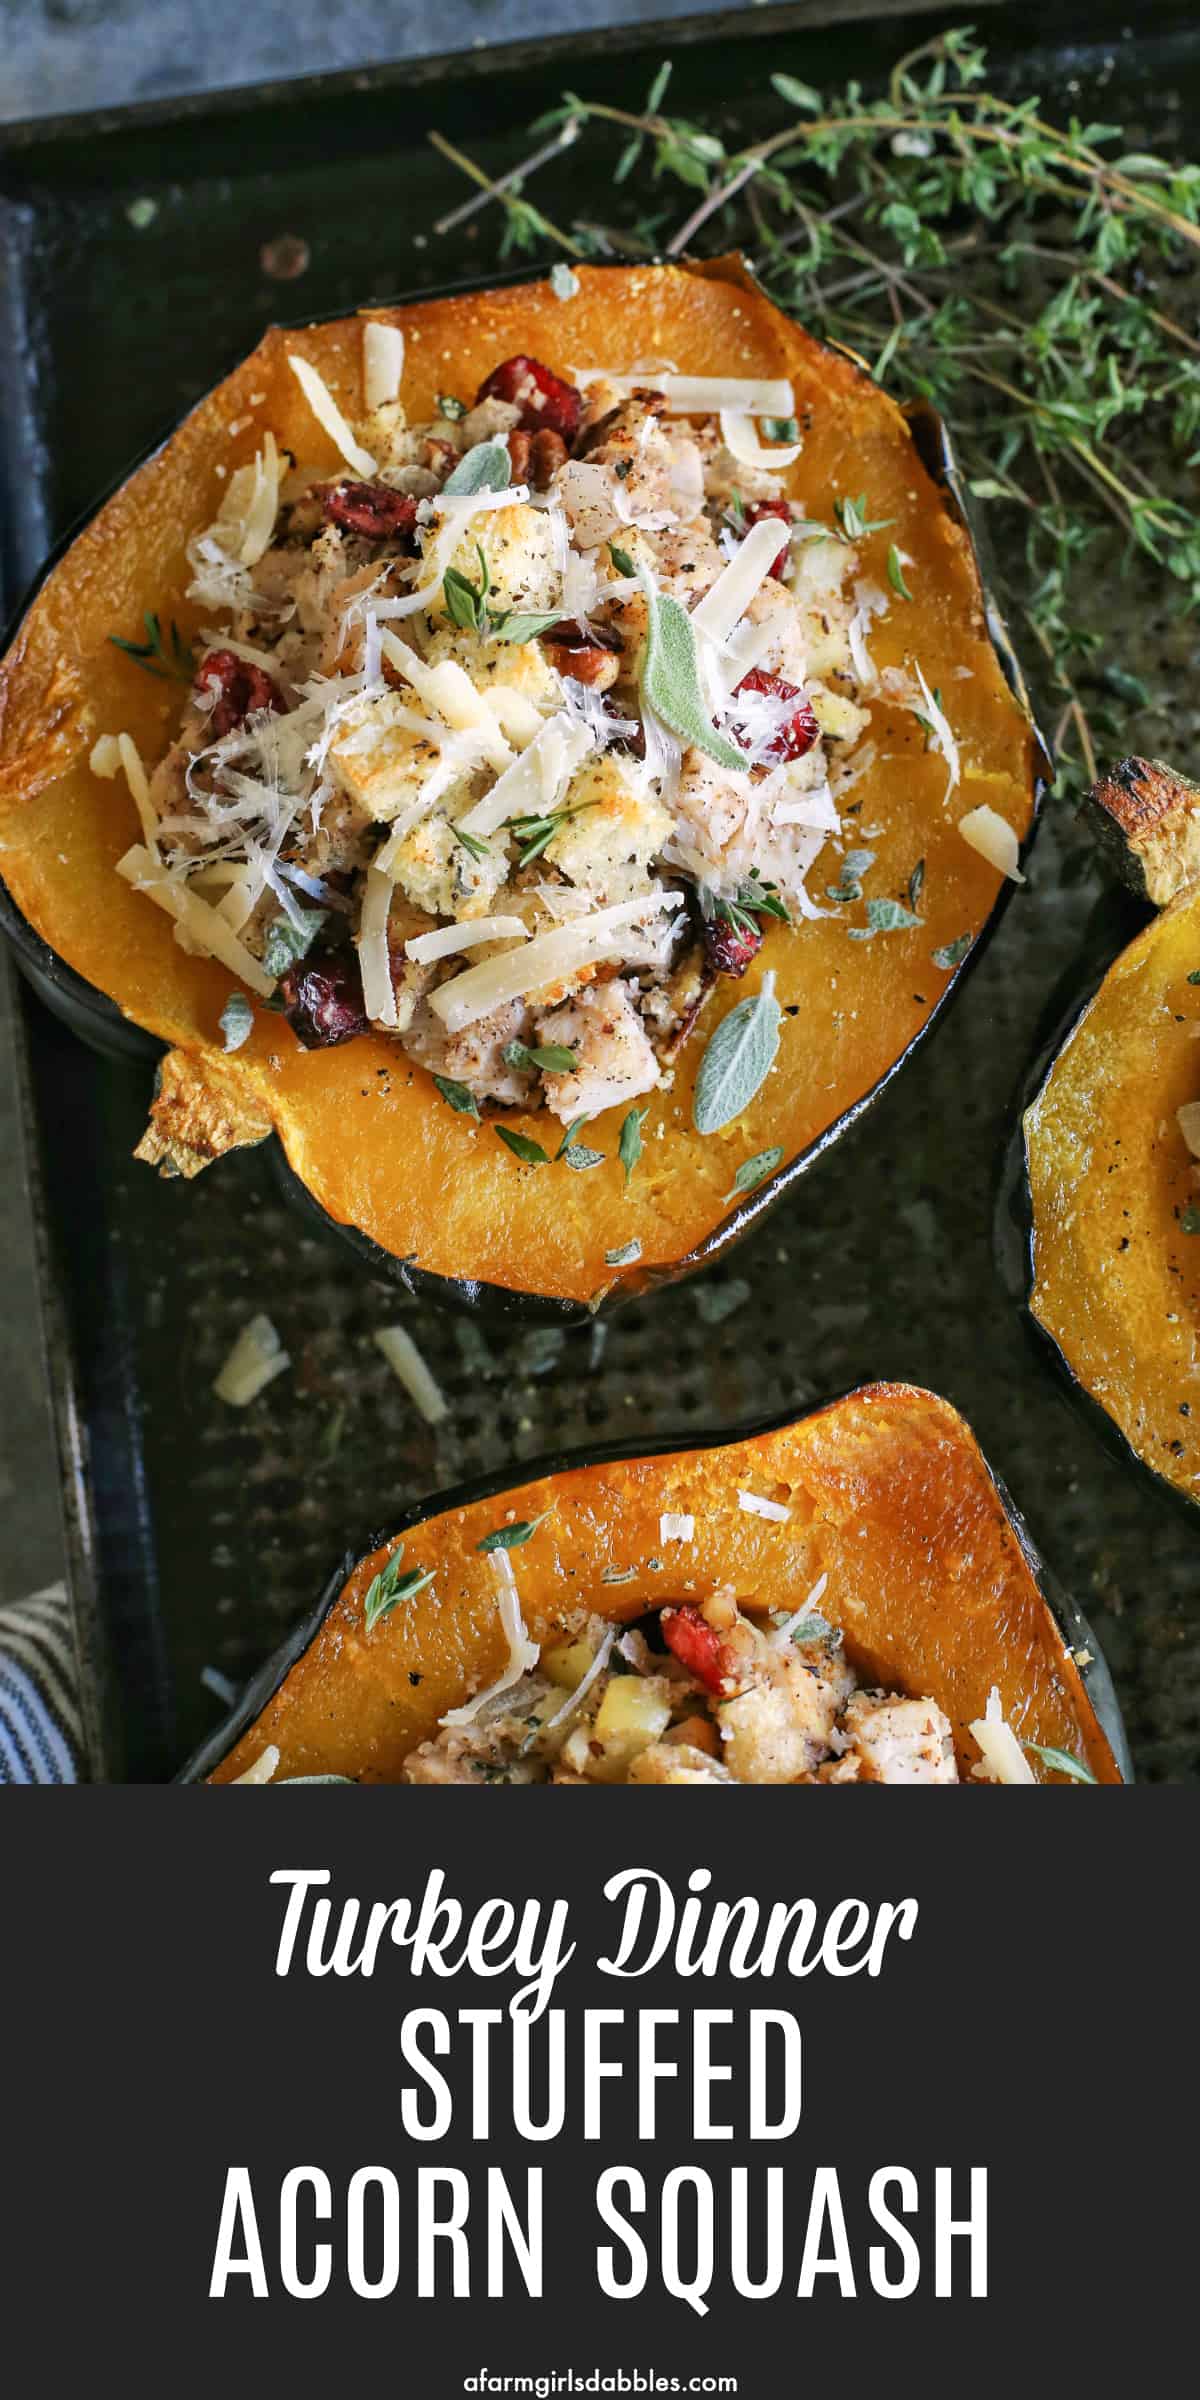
[97, 1020]
[1117, 919]
[1072, 1624]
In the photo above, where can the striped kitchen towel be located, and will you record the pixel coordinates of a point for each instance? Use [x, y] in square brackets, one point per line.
[41, 1731]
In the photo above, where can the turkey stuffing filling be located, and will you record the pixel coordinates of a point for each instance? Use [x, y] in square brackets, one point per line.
[701, 1694]
[509, 740]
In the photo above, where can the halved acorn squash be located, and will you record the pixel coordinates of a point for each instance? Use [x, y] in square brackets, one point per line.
[1113, 1188]
[931, 1579]
[427, 1192]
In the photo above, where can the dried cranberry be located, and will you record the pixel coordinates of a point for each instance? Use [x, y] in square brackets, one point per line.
[373, 510]
[799, 731]
[240, 690]
[544, 399]
[731, 940]
[773, 508]
[696, 1644]
[323, 999]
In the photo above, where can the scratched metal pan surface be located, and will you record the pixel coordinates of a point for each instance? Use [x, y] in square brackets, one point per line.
[198, 1534]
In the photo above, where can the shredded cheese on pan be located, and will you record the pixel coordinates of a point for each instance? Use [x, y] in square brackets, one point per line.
[1002, 1759]
[257, 1357]
[407, 1364]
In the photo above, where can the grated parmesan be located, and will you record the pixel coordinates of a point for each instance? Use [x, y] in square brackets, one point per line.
[550, 958]
[257, 1357]
[1002, 1759]
[783, 1633]
[723, 607]
[425, 947]
[327, 413]
[675, 1528]
[263, 1768]
[106, 757]
[991, 834]
[407, 1364]
[371, 943]
[523, 1654]
[571, 1703]
[383, 363]
[740, 435]
[205, 926]
[943, 738]
[754, 1506]
[135, 777]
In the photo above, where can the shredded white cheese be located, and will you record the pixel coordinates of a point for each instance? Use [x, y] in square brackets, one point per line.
[522, 1653]
[990, 833]
[673, 1527]
[531, 786]
[257, 1357]
[263, 1768]
[943, 738]
[327, 413]
[383, 363]
[731, 595]
[206, 927]
[466, 936]
[784, 1632]
[449, 689]
[1002, 1759]
[106, 757]
[371, 942]
[703, 395]
[136, 778]
[740, 435]
[755, 1506]
[407, 1364]
[550, 958]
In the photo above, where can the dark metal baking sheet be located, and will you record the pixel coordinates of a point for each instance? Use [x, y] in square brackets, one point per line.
[197, 1533]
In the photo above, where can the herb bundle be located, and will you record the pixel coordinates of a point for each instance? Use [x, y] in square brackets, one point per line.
[1026, 277]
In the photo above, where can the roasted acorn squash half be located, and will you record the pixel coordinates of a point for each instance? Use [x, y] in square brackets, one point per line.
[894, 1526]
[424, 1191]
[1112, 1198]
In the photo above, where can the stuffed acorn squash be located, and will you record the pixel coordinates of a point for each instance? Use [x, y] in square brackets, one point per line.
[845, 1599]
[1112, 1146]
[545, 757]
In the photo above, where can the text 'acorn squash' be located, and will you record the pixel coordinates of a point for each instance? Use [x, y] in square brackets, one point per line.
[919, 820]
[1113, 1179]
[877, 1511]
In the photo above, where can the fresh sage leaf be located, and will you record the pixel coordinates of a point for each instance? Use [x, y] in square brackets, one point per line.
[755, 1171]
[529, 1152]
[285, 942]
[458, 1096]
[629, 1148]
[485, 468]
[883, 916]
[1060, 1761]
[952, 954]
[236, 1021]
[513, 628]
[510, 1537]
[578, 1156]
[671, 681]
[550, 1058]
[738, 1060]
[285, 1779]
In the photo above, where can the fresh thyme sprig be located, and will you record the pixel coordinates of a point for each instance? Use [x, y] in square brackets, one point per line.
[1027, 278]
[171, 659]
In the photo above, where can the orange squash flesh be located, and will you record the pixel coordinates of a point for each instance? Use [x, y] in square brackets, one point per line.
[1116, 1278]
[890, 1497]
[362, 1127]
